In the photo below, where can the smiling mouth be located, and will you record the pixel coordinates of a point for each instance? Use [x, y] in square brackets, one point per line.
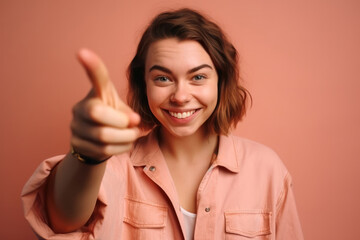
[181, 115]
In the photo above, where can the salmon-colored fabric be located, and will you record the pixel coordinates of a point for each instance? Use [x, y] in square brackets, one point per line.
[247, 193]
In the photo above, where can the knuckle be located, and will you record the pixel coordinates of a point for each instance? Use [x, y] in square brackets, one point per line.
[75, 109]
[74, 124]
[79, 109]
[94, 111]
[73, 127]
[107, 150]
[74, 141]
[101, 134]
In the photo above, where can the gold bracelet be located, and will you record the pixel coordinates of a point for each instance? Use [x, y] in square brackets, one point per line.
[84, 159]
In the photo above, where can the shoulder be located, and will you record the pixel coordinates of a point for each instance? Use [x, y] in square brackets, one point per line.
[255, 156]
[252, 148]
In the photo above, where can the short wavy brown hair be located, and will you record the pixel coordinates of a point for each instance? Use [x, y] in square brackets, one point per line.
[187, 24]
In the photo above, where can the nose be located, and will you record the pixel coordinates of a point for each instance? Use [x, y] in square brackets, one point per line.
[181, 93]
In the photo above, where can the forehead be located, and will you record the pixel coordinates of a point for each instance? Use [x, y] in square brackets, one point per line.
[173, 53]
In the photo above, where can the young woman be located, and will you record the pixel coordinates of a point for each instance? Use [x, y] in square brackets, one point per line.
[188, 178]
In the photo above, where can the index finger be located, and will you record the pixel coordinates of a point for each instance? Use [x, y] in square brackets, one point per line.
[96, 70]
[102, 85]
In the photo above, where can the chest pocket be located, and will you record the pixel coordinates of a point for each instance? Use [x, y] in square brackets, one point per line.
[143, 220]
[247, 225]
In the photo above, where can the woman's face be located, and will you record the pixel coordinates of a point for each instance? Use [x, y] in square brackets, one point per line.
[181, 84]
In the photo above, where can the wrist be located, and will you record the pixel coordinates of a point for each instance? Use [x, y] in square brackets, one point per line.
[85, 159]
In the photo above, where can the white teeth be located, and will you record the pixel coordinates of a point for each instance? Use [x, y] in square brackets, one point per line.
[182, 115]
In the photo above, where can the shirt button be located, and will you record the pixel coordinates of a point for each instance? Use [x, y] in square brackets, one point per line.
[207, 209]
[152, 168]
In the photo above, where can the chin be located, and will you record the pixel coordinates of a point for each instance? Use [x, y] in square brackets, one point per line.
[182, 131]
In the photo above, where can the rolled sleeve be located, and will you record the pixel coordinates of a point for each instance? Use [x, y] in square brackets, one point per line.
[33, 199]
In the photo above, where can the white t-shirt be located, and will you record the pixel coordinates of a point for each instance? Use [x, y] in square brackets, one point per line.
[189, 220]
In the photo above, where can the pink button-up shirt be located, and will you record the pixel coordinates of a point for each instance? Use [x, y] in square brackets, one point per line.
[246, 194]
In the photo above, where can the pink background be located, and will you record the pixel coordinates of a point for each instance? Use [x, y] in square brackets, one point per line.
[299, 59]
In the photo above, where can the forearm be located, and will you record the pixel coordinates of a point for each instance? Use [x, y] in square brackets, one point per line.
[72, 192]
[102, 126]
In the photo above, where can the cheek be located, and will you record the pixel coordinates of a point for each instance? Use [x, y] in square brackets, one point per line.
[155, 97]
[209, 96]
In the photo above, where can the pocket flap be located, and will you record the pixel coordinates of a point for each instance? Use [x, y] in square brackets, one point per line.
[248, 223]
[144, 215]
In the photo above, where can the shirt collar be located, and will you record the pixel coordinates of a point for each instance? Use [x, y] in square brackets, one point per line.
[228, 156]
[147, 151]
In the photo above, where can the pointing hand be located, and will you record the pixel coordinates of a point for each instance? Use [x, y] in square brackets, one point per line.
[102, 125]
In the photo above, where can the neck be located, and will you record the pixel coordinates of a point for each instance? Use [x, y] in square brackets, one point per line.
[188, 148]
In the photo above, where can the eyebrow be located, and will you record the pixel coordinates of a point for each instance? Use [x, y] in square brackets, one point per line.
[164, 69]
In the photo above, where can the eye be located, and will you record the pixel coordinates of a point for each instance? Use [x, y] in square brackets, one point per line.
[162, 79]
[199, 77]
